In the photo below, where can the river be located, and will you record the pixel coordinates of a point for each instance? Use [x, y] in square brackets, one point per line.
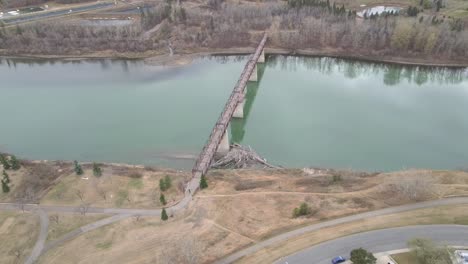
[319, 112]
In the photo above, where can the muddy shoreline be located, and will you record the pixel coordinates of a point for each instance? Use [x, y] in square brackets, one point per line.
[186, 57]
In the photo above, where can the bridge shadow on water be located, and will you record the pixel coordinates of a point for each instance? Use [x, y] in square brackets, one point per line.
[238, 124]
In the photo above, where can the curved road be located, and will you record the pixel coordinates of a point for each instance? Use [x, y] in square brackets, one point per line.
[298, 232]
[378, 241]
[192, 187]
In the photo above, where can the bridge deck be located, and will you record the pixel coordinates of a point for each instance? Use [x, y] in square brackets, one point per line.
[206, 156]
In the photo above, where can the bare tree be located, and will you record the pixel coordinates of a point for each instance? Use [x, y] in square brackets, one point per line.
[55, 218]
[83, 208]
[23, 197]
[80, 194]
[102, 193]
[186, 250]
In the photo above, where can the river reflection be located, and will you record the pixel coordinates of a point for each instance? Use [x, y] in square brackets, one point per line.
[392, 74]
[303, 111]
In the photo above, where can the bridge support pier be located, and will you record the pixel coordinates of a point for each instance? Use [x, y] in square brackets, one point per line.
[254, 75]
[224, 146]
[261, 59]
[239, 112]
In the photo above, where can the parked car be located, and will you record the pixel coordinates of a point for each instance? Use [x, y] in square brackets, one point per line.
[338, 259]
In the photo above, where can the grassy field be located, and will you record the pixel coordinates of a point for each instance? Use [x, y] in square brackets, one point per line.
[18, 233]
[405, 258]
[242, 207]
[60, 224]
[135, 188]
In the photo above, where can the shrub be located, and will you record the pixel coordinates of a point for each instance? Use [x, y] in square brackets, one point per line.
[302, 210]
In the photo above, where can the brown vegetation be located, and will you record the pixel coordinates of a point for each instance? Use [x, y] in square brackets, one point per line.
[119, 186]
[241, 207]
[18, 232]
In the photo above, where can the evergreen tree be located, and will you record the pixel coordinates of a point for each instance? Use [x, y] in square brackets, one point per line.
[4, 161]
[164, 216]
[162, 185]
[168, 182]
[96, 170]
[5, 187]
[362, 256]
[6, 178]
[78, 169]
[162, 199]
[203, 182]
[14, 163]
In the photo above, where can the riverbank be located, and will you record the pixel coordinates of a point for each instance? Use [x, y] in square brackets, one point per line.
[186, 56]
[223, 218]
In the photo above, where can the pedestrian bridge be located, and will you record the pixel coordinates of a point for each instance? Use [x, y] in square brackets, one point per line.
[218, 141]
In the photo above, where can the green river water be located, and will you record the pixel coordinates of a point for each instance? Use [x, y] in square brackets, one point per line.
[318, 112]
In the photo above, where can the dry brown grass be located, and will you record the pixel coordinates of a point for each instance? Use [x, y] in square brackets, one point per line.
[224, 219]
[147, 240]
[18, 233]
[117, 187]
[60, 224]
[440, 215]
[405, 258]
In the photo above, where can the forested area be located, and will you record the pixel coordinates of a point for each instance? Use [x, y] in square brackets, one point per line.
[292, 26]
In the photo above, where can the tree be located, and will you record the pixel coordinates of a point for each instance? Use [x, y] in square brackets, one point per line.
[5, 182]
[168, 182]
[96, 170]
[429, 253]
[4, 162]
[162, 199]
[165, 183]
[15, 165]
[83, 209]
[162, 185]
[203, 182]
[78, 169]
[362, 256]
[164, 216]
[6, 178]
[5, 187]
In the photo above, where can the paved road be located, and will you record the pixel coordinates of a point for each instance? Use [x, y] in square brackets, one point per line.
[192, 187]
[39, 246]
[119, 213]
[54, 13]
[378, 241]
[347, 219]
